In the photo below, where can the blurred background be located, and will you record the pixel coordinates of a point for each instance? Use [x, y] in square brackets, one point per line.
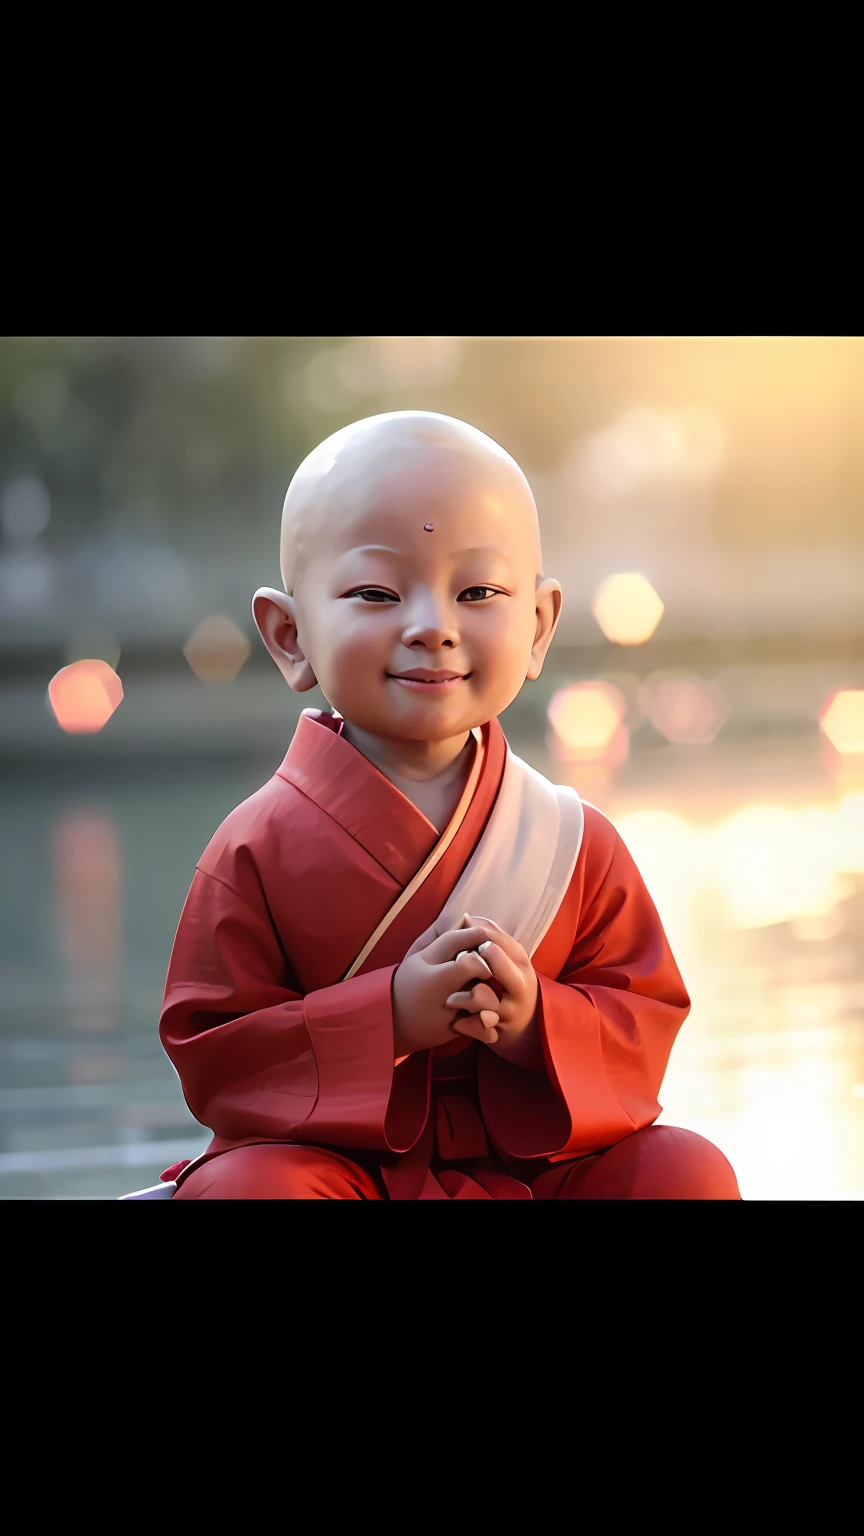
[701, 504]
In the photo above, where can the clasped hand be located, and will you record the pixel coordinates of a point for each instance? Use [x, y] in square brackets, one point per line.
[448, 988]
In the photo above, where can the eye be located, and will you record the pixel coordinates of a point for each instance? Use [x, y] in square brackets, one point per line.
[373, 595]
[479, 594]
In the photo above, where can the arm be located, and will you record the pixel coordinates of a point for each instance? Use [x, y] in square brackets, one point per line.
[606, 1025]
[256, 1058]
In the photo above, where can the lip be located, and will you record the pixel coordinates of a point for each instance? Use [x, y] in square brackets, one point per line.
[427, 675]
[424, 680]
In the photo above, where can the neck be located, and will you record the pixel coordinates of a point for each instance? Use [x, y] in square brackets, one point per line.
[418, 760]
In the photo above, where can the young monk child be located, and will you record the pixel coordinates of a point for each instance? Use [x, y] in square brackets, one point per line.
[409, 967]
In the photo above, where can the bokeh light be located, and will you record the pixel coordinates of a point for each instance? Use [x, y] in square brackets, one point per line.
[666, 849]
[216, 649]
[627, 608]
[769, 864]
[84, 696]
[773, 864]
[586, 723]
[86, 855]
[645, 445]
[685, 709]
[842, 719]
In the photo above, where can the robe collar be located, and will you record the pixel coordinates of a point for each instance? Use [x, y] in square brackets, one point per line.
[346, 786]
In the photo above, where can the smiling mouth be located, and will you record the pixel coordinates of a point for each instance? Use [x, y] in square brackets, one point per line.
[429, 682]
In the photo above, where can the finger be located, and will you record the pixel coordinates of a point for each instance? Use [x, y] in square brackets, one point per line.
[448, 945]
[468, 967]
[482, 997]
[474, 1027]
[504, 940]
[505, 970]
[459, 1000]
[476, 1023]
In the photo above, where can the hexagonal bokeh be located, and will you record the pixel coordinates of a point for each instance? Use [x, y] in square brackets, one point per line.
[842, 719]
[84, 696]
[586, 723]
[686, 709]
[627, 608]
[216, 649]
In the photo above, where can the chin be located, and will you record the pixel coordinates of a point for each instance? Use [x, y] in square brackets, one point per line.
[442, 729]
[425, 730]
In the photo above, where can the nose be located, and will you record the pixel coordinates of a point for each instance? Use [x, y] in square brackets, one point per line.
[430, 624]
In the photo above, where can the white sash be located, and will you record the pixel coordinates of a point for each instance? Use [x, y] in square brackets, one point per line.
[520, 870]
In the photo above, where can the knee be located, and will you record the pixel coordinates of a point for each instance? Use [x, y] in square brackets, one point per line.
[277, 1172]
[667, 1163]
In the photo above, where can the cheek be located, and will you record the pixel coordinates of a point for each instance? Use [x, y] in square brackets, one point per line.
[505, 639]
[353, 644]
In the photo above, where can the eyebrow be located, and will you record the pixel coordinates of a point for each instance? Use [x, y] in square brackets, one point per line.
[385, 549]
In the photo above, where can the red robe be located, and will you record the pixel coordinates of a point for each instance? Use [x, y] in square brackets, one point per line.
[271, 1046]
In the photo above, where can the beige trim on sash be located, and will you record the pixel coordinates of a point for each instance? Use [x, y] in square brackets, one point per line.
[426, 868]
[521, 869]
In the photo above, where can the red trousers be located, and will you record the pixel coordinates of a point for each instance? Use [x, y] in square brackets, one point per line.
[658, 1163]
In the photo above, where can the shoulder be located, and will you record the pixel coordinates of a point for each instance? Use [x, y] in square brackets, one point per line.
[609, 870]
[253, 833]
[600, 842]
[604, 855]
[600, 834]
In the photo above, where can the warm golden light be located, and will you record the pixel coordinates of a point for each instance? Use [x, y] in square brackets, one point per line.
[849, 834]
[667, 851]
[84, 696]
[216, 649]
[627, 608]
[842, 719]
[773, 864]
[768, 864]
[687, 710]
[646, 445]
[586, 722]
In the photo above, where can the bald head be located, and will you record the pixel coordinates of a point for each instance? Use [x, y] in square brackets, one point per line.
[413, 462]
[410, 539]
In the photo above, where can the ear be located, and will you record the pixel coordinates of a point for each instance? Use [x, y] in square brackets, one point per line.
[275, 615]
[548, 610]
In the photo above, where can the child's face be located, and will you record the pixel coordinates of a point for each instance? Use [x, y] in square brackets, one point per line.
[382, 596]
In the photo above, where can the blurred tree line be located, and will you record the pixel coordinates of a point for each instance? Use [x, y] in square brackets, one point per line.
[142, 478]
[153, 436]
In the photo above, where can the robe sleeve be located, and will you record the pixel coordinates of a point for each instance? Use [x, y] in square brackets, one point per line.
[256, 1058]
[607, 1023]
